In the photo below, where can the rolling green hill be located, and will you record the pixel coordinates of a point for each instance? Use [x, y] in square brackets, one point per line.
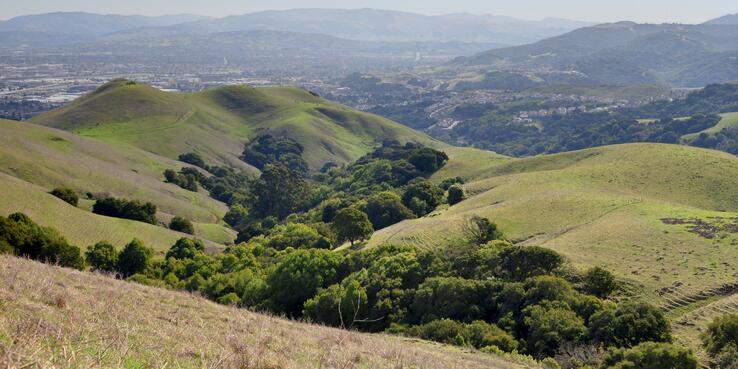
[54, 317]
[81, 227]
[217, 123]
[630, 208]
[34, 159]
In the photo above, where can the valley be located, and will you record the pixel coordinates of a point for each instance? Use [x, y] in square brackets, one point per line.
[366, 188]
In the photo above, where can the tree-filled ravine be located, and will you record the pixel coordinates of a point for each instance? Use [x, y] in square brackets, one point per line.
[498, 127]
[300, 253]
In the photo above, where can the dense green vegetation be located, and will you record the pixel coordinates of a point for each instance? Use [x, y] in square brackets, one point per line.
[126, 209]
[183, 225]
[21, 236]
[493, 295]
[266, 149]
[341, 204]
[721, 341]
[678, 122]
[66, 194]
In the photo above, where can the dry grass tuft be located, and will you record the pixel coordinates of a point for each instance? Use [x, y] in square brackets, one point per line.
[52, 317]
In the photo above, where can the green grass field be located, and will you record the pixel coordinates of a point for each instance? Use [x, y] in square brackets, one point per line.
[217, 123]
[729, 120]
[78, 226]
[604, 206]
[50, 157]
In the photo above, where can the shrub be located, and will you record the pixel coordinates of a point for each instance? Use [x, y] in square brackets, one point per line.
[444, 331]
[102, 257]
[298, 277]
[185, 248]
[455, 195]
[721, 333]
[21, 236]
[650, 355]
[134, 258]
[482, 334]
[343, 304]
[127, 209]
[599, 282]
[229, 299]
[185, 179]
[66, 194]
[194, 159]
[385, 209]
[451, 298]
[421, 196]
[481, 230]
[183, 225]
[549, 325]
[521, 262]
[629, 324]
[236, 215]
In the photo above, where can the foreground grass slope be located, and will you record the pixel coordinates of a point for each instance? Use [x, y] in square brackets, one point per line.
[216, 123]
[54, 317]
[607, 206]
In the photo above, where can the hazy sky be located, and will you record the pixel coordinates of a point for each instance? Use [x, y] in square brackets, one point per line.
[684, 11]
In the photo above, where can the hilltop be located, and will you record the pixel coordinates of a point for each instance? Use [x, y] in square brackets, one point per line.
[726, 20]
[218, 123]
[60, 317]
[624, 53]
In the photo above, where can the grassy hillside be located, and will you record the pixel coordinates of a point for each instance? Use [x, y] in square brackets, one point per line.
[728, 120]
[605, 206]
[53, 317]
[47, 158]
[81, 227]
[216, 123]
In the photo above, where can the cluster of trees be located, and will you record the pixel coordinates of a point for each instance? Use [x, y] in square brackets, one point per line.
[493, 127]
[19, 235]
[126, 209]
[134, 258]
[576, 131]
[382, 188]
[186, 178]
[724, 140]
[267, 149]
[66, 194]
[483, 293]
[344, 203]
[489, 295]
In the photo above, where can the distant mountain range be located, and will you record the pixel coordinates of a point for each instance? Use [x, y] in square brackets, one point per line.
[77, 26]
[730, 19]
[259, 48]
[359, 24]
[384, 25]
[626, 53]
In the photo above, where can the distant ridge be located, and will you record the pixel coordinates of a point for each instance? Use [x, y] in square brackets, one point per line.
[354, 24]
[726, 20]
[627, 53]
[218, 122]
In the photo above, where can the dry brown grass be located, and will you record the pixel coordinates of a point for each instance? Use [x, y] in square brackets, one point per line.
[52, 317]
